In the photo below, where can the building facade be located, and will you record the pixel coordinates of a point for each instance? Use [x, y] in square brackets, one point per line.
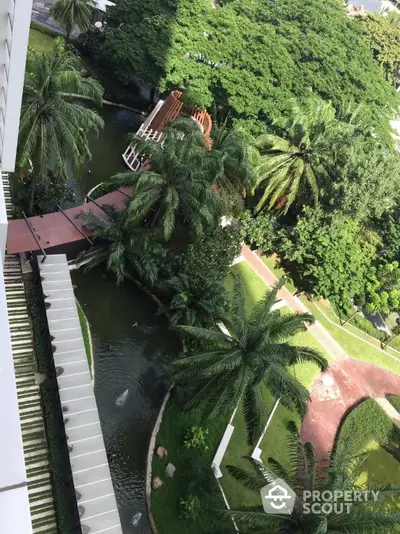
[14, 34]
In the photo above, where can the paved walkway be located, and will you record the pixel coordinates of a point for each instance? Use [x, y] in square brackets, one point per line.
[354, 381]
[316, 329]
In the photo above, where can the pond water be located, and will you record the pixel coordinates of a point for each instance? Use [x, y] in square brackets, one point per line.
[128, 340]
[106, 150]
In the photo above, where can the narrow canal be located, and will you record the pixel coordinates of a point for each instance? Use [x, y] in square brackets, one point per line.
[128, 340]
[106, 149]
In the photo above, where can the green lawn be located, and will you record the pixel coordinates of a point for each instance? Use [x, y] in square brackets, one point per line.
[166, 500]
[272, 263]
[355, 348]
[275, 442]
[40, 41]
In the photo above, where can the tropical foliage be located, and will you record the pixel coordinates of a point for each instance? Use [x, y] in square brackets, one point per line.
[256, 353]
[340, 474]
[71, 13]
[54, 127]
[333, 255]
[176, 189]
[250, 57]
[123, 246]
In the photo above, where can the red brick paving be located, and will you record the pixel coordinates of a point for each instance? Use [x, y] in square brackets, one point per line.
[354, 382]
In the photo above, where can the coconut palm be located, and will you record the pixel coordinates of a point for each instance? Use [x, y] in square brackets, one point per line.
[236, 178]
[177, 187]
[254, 354]
[123, 246]
[339, 474]
[53, 128]
[288, 162]
[71, 13]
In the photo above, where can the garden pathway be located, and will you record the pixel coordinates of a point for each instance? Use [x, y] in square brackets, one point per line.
[353, 381]
[316, 329]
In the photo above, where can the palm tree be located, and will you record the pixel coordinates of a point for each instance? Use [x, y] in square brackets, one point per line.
[123, 246]
[53, 128]
[71, 13]
[339, 474]
[236, 178]
[192, 303]
[177, 188]
[287, 163]
[254, 354]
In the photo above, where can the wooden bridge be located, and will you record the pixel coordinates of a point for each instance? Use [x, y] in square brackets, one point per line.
[32, 234]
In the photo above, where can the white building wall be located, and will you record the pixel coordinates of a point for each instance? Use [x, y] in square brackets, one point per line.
[15, 16]
[14, 34]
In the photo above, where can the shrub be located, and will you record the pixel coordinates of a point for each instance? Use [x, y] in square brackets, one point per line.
[190, 507]
[363, 324]
[196, 438]
[49, 192]
[43, 29]
[259, 232]
[368, 422]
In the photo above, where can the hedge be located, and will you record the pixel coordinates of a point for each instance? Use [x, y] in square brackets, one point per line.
[43, 29]
[368, 422]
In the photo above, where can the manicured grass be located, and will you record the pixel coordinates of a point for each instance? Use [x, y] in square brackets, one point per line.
[254, 287]
[272, 263]
[355, 348]
[274, 443]
[165, 500]
[367, 428]
[40, 41]
[85, 333]
[380, 468]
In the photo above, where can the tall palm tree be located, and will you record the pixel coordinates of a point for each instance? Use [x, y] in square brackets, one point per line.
[288, 162]
[123, 246]
[236, 177]
[339, 474]
[71, 13]
[255, 354]
[177, 188]
[53, 128]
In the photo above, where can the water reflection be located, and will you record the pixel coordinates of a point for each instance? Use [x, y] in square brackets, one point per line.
[126, 369]
[106, 150]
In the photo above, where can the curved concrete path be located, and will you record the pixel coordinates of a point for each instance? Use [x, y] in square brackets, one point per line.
[354, 381]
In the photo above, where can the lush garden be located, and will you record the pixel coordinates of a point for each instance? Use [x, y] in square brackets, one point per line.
[302, 164]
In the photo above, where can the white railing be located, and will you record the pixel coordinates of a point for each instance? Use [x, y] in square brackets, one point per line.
[132, 159]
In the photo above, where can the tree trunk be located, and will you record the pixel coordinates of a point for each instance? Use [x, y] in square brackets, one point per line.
[152, 94]
[32, 196]
[389, 341]
[350, 318]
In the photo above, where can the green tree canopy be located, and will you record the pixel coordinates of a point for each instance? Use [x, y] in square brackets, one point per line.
[250, 56]
[383, 38]
[333, 254]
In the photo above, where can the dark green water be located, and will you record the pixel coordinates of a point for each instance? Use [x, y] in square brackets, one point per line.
[107, 150]
[128, 338]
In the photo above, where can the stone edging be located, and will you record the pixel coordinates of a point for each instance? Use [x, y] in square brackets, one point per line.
[149, 461]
